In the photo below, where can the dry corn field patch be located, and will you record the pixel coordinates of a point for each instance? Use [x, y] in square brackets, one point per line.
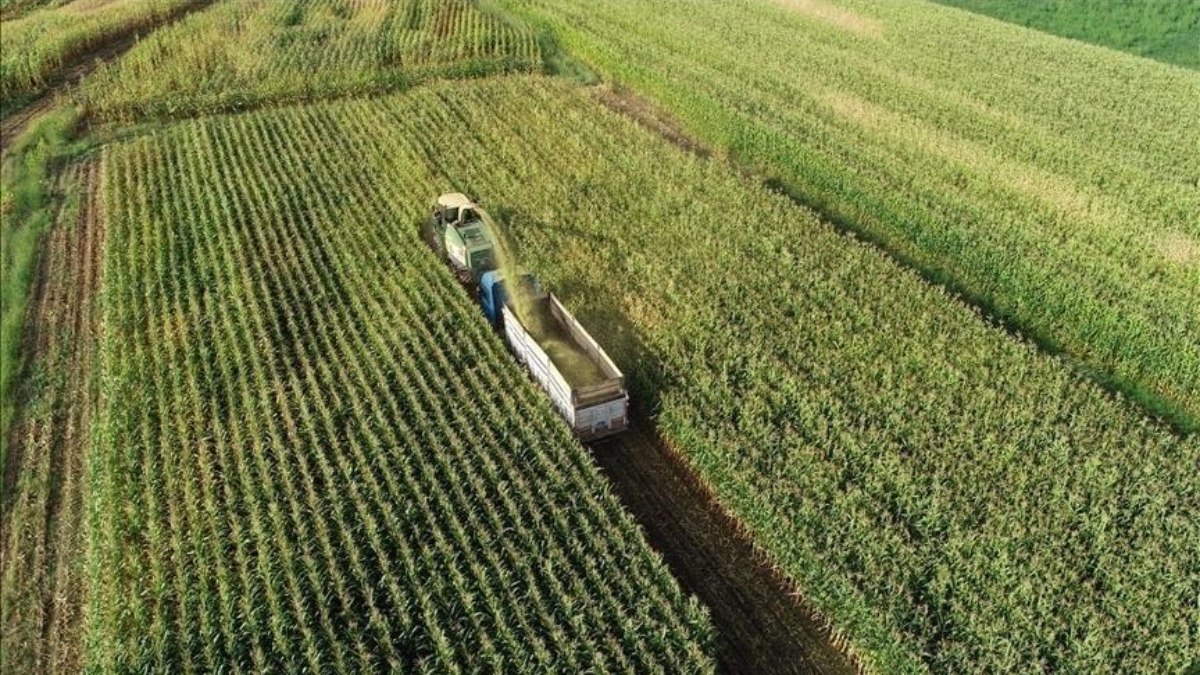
[251, 53]
[39, 48]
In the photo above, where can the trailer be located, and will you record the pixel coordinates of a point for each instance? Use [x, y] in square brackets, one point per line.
[584, 384]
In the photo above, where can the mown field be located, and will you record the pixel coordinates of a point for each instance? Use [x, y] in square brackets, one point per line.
[1061, 199]
[245, 54]
[35, 46]
[42, 501]
[1165, 30]
[30, 193]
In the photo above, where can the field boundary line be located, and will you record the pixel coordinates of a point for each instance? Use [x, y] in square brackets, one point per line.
[44, 522]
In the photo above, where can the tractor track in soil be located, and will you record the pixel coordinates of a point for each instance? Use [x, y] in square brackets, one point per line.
[80, 66]
[12, 125]
[763, 627]
[43, 536]
[763, 624]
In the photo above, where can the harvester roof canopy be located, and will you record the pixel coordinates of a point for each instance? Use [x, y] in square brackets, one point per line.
[454, 200]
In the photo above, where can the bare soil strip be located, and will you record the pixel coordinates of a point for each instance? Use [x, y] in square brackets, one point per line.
[42, 542]
[763, 627]
[78, 67]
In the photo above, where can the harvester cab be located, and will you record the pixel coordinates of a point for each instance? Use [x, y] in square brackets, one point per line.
[457, 230]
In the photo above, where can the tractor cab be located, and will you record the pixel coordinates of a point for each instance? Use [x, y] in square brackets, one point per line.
[458, 230]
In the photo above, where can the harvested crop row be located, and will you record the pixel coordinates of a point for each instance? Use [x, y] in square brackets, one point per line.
[44, 481]
[247, 53]
[312, 452]
[1053, 183]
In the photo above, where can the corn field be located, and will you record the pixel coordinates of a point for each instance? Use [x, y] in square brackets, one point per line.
[906, 296]
[35, 46]
[950, 497]
[1061, 199]
[313, 453]
[244, 53]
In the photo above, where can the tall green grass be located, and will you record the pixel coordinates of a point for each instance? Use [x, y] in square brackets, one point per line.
[27, 208]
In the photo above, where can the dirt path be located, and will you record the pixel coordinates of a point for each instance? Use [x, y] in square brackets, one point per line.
[42, 543]
[14, 124]
[79, 67]
[762, 628]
